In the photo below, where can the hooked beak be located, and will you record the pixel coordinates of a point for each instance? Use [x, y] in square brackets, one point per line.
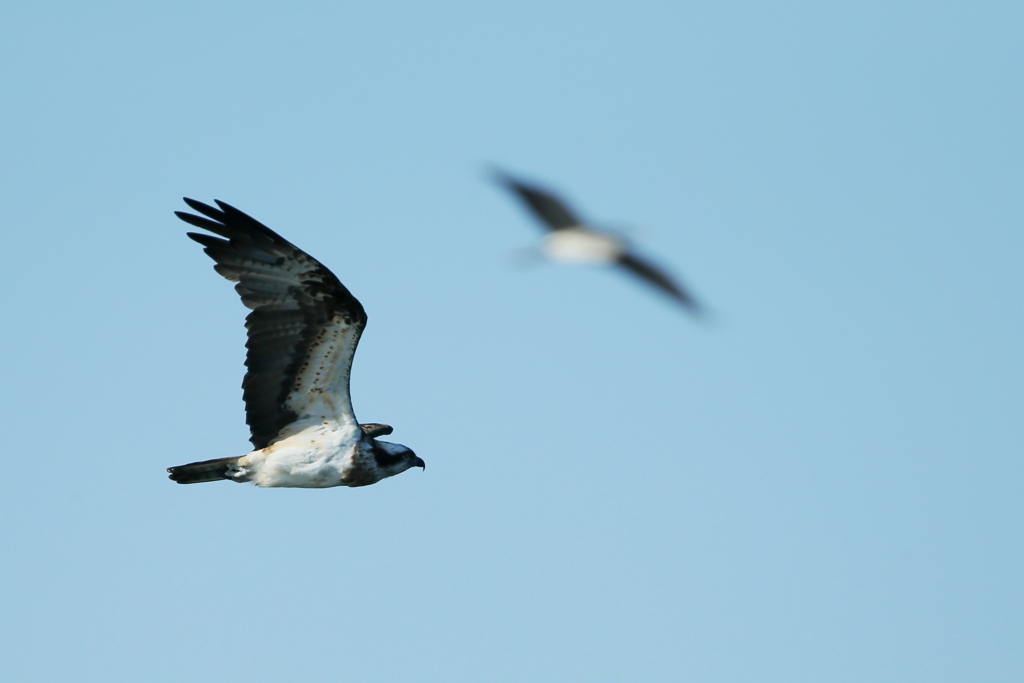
[419, 463]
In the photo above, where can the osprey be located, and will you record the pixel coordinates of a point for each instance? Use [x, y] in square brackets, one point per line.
[570, 240]
[303, 330]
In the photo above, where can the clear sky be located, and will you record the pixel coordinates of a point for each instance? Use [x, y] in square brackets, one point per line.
[823, 483]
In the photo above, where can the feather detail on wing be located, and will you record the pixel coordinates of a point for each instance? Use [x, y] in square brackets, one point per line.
[303, 328]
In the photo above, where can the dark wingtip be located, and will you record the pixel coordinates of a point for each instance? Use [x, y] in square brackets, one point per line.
[522, 188]
[204, 209]
[691, 305]
[684, 299]
[197, 205]
[502, 178]
[227, 208]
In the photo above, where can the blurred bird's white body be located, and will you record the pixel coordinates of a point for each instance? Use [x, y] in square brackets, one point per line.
[579, 245]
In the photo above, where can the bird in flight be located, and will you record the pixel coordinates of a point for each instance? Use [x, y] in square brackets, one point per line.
[570, 240]
[304, 326]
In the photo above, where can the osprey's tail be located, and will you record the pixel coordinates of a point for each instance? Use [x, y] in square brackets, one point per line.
[207, 470]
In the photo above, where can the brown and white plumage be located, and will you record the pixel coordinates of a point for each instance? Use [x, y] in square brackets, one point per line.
[303, 329]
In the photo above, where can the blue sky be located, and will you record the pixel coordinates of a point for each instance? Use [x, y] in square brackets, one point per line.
[821, 484]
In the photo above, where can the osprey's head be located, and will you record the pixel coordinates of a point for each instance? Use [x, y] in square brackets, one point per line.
[394, 458]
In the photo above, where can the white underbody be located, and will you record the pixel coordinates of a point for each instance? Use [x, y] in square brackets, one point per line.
[319, 456]
[578, 245]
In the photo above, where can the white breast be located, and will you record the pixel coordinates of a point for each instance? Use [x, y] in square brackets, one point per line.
[573, 245]
[316, 457]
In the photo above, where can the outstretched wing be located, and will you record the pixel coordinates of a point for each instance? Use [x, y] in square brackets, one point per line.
[551, 210]
[653, 275]
[303, 328]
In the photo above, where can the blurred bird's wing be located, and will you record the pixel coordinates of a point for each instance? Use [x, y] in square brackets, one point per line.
[548, 208]
[653, 275]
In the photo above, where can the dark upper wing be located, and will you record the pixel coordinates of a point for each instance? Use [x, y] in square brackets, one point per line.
[660, 279]
[547, 207]
[303, 328]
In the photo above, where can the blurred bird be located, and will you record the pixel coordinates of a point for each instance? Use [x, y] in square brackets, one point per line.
[303, 331]
[570, 240]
